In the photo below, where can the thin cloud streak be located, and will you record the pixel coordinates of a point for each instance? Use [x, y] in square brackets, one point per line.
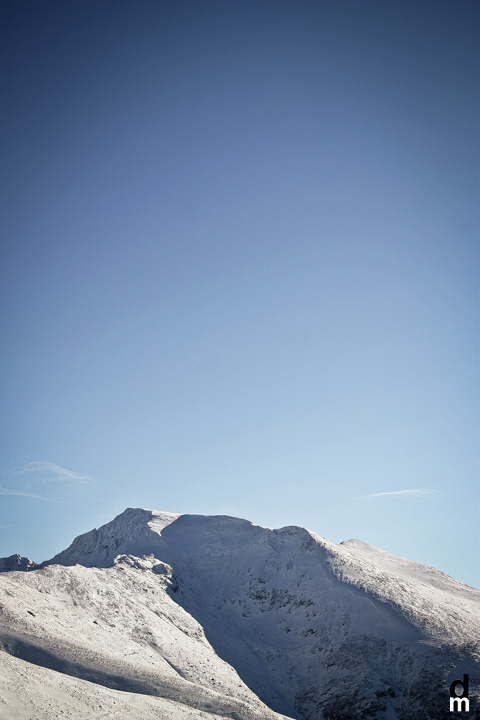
[10, 491]
[51, 472]
[414, 492]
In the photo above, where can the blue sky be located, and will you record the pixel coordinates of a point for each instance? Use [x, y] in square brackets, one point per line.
[239, 269]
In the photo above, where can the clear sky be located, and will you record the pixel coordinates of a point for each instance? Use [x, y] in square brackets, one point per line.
[239, 269]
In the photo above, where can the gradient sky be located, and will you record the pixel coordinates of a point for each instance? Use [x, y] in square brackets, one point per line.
[239, 269]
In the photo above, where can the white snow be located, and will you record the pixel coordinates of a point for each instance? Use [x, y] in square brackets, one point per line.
[118, 626]
[215, 612]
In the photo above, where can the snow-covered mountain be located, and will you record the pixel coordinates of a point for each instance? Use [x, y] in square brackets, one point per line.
[157, 615]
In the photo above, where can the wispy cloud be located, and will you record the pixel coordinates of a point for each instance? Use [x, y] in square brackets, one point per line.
[11, 491]
[23, 481]
[50, 472]
[414, 492]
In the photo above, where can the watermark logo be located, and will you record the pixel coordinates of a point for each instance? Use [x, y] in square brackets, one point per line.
[459, 699]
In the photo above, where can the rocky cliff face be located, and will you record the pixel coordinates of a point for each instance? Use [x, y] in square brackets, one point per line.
[16, 562]
[240, 621]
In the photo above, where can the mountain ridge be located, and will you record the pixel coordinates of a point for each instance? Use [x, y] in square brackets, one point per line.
[313, 630]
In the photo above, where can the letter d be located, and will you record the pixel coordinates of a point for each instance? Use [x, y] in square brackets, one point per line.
[464, 685]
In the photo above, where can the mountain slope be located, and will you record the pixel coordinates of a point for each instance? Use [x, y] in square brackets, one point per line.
[33, 692]
[118, 627]
[315, 630]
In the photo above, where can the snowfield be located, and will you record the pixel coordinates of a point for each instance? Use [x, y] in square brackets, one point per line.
[157, 615]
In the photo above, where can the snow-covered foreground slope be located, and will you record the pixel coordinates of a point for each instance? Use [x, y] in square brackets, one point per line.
[168, 612]
[32, 692]
[119, 628]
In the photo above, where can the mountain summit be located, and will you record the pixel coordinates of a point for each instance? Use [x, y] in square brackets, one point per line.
[159, 615]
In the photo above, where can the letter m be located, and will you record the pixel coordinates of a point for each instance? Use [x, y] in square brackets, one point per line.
[459, 704]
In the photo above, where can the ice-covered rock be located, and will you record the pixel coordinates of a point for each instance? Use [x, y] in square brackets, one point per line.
[232, 619]
[16, 562]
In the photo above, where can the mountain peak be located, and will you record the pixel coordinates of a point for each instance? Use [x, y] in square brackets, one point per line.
[294, 625]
